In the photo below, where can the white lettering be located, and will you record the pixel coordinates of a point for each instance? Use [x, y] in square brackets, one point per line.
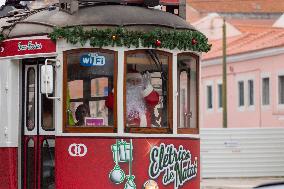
[29, 46]
[177, 164]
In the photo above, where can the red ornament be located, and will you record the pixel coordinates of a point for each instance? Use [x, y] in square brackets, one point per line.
[158, 43]
[193, 41]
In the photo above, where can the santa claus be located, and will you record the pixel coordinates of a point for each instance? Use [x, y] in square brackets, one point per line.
[141, 99]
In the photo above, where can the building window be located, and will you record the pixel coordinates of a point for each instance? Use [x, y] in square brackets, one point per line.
[209, 90]
[250, 93]
[281, 89]
[220, 96]
[241, 93]
[265, 91]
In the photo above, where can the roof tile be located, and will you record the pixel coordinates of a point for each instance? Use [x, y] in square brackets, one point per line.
[238, 6]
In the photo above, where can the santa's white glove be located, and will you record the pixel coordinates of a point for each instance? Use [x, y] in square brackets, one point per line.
[146, 78]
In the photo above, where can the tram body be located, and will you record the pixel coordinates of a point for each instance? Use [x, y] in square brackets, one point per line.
[44, 145]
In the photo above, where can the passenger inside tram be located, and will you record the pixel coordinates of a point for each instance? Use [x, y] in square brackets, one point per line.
[81, 113]
[141, 99]
[147, 89]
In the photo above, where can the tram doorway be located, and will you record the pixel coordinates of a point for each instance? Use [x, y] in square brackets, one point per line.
[38, 131]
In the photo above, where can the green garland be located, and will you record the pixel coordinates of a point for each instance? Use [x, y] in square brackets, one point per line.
[180, 39]
[2, 38]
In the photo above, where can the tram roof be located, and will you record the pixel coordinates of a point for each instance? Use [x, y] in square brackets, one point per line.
[134, 17]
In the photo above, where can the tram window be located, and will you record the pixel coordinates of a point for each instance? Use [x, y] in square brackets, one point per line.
[47, 164]
[147, 89]
[30, 99]
[47, 114]
[90, 76]
[188, 93]
[30, 165]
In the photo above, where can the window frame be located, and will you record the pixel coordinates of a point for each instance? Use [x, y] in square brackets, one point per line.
[220, 96]
[262, 91]
[251, 93]
[280, 103]
[153, 130]
[191, 130]
[70, 129]
[241, 94]
[209, 109]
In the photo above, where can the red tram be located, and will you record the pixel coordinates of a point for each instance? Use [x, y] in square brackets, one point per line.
[99, 95]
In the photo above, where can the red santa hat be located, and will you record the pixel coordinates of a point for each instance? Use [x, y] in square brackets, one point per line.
[133, 74]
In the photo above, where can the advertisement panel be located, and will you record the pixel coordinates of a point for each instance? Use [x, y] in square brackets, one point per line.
[109, 163]
[26, 47]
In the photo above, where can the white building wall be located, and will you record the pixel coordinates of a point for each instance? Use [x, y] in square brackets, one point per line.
[255, 152]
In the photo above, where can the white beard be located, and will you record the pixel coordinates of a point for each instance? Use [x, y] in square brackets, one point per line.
[135, 102]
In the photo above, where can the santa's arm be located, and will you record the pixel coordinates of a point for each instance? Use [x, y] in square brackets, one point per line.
[109, 101]
[151, 96]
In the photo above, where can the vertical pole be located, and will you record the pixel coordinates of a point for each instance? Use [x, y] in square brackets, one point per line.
[224, 88]
[182, 9]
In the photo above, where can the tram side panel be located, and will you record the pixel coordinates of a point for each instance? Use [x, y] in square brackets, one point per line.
[104, 162]
[9, 124]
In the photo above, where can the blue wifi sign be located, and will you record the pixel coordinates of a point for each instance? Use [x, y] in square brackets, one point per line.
[92, 59]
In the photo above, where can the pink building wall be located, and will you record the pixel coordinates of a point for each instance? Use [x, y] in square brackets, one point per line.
[246, 116]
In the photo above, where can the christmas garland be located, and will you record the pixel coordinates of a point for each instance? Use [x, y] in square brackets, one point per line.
[2, 38]
[180, 39]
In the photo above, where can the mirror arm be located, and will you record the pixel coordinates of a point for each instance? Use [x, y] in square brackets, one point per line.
[46, 94]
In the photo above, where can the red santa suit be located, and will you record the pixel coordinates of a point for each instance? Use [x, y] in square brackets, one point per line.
[140, 102]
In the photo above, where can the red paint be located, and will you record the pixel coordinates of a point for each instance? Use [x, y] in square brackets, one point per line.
[19, 47]
[92, 170]
[26, 141]
[176, 2]
[8, 168]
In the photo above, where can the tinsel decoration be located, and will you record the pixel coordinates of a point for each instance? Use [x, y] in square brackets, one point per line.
[170, 39]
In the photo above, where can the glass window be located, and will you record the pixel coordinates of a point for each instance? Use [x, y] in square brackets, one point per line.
[265, 91]
[250, 93]
[281, 89]
[187, 90]
[220, 96]
[147, 90]
[209, 97]
[30, 165]
[47, 164]
[30, 99]
[241, 93]
[89, 90]
[47, 114]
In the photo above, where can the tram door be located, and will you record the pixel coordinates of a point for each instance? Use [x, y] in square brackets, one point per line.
[38, 139]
